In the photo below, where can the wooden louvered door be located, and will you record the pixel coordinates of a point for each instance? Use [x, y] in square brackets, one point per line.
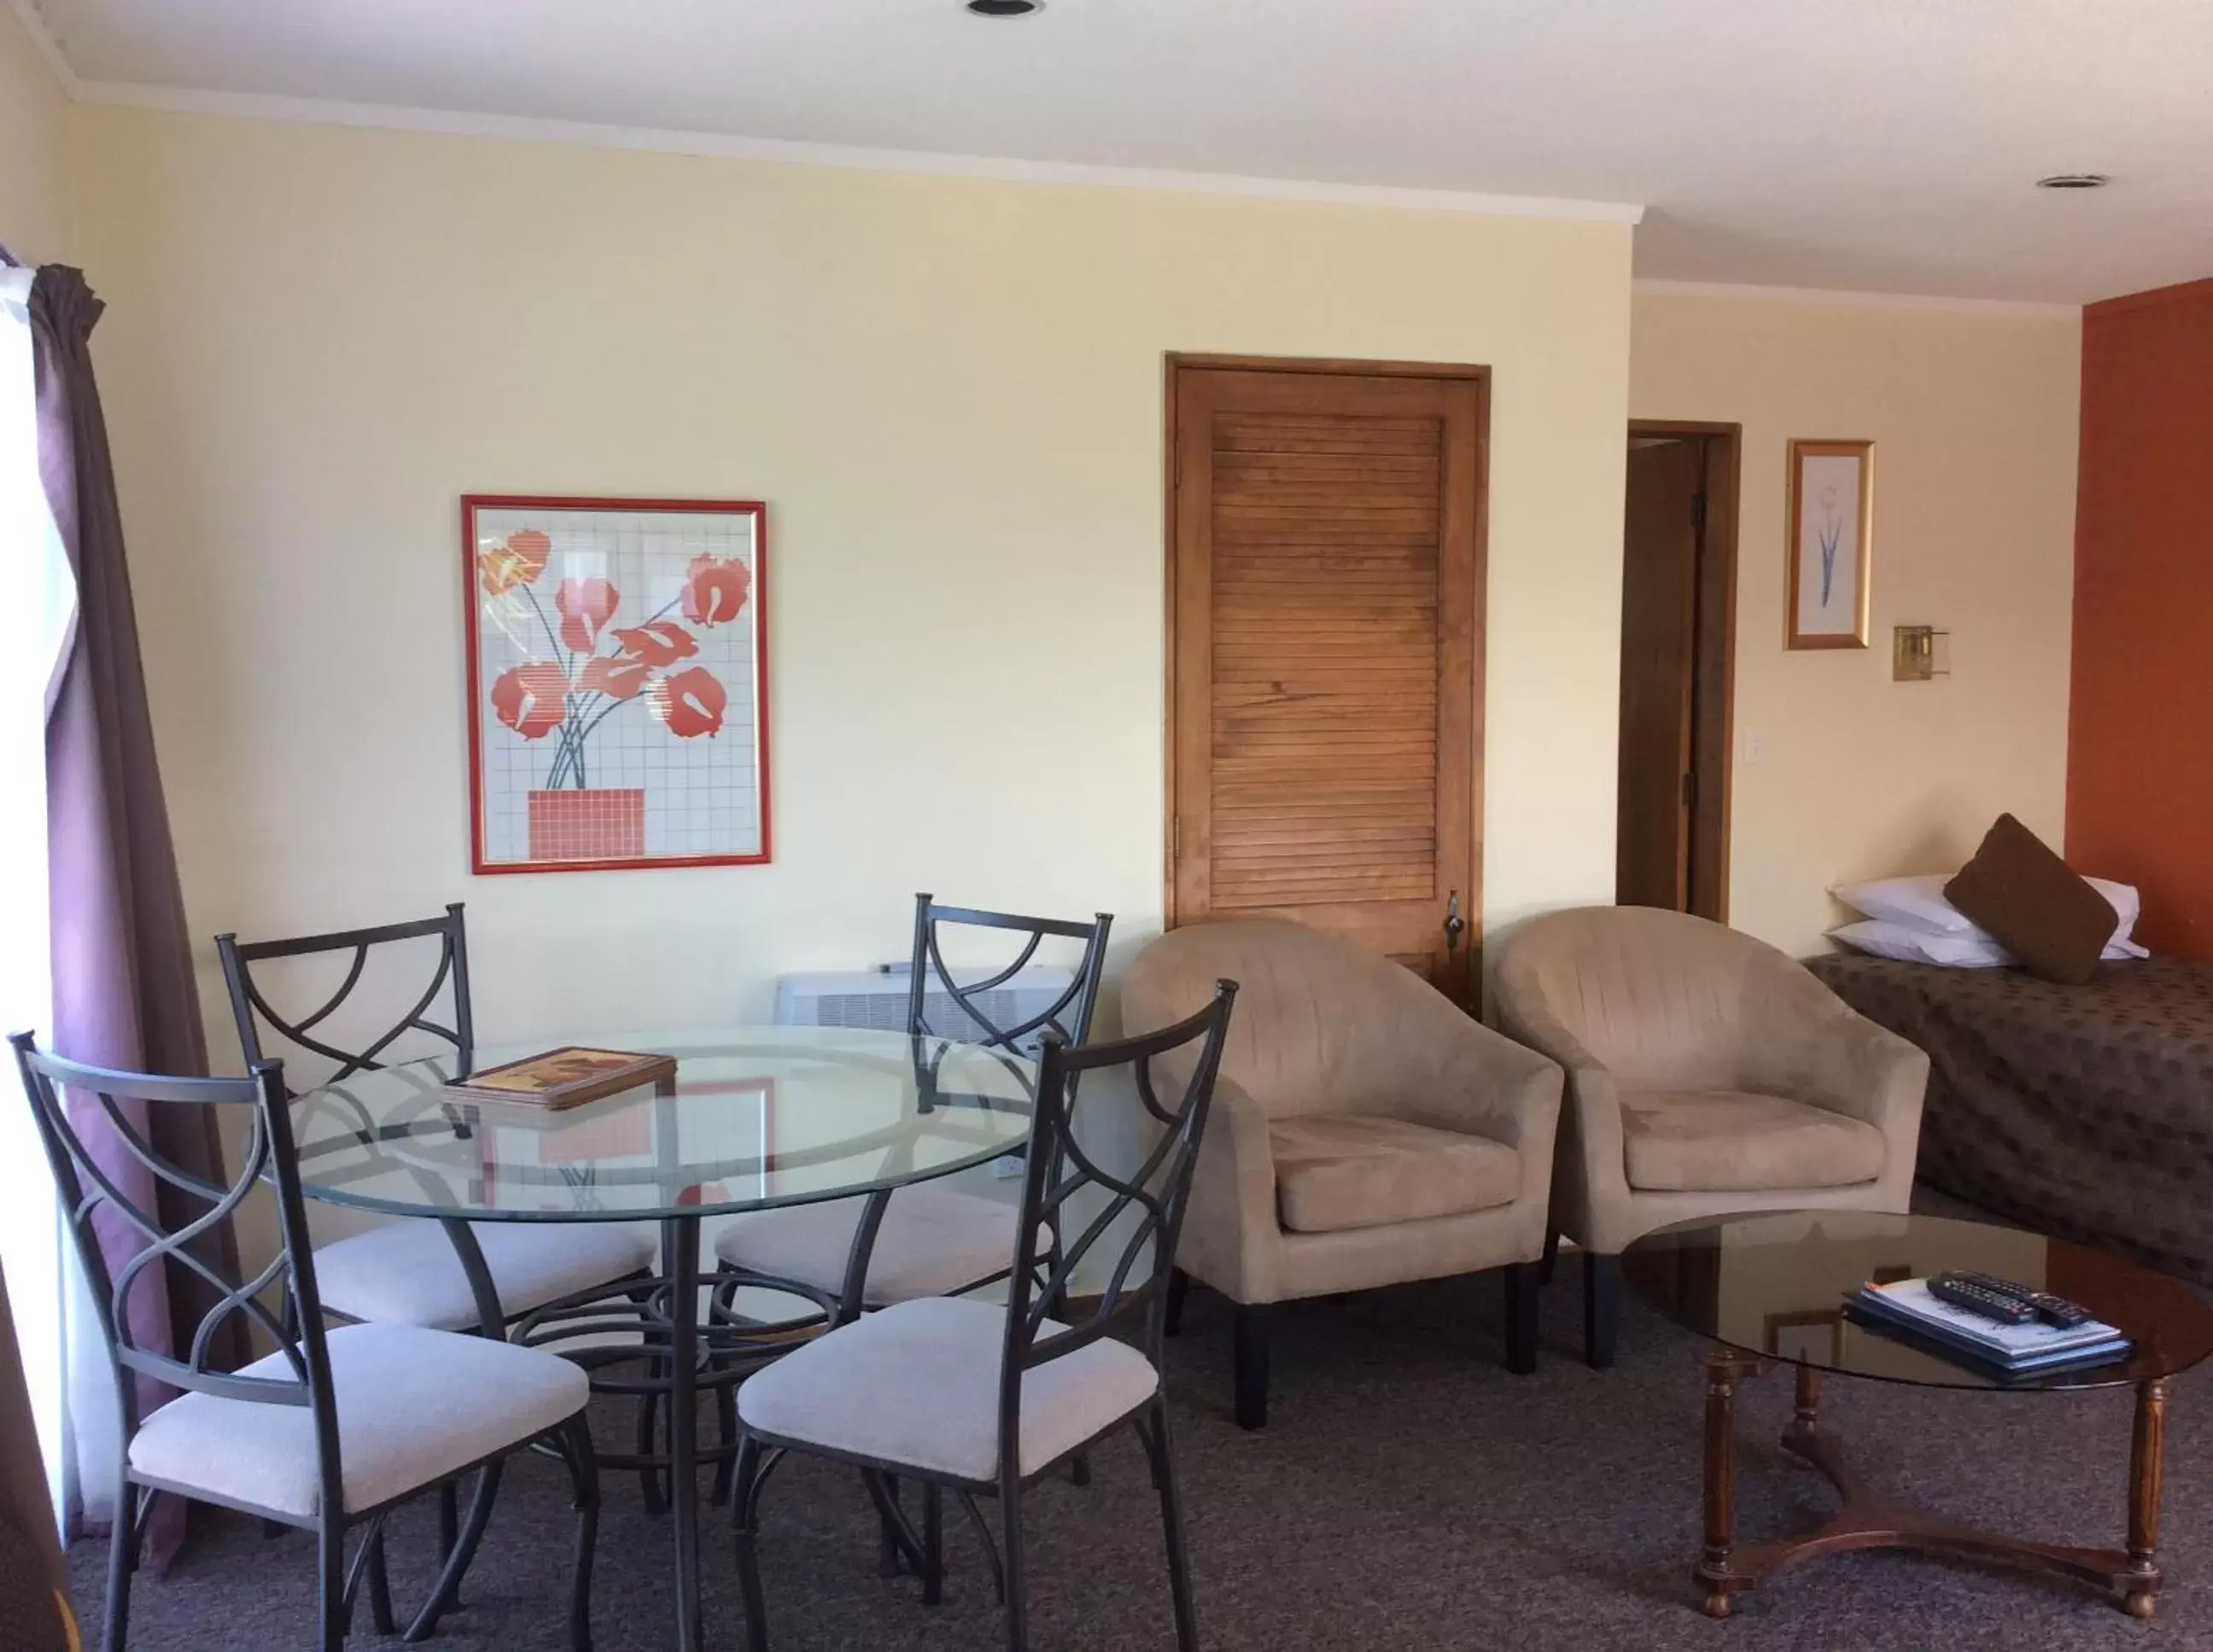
[1326, 598]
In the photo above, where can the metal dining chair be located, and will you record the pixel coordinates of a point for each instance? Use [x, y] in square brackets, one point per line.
[407, 1272]
[1014, 1393]
[932, 1240]
[338, 1427]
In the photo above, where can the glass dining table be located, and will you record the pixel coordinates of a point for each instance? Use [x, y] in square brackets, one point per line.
[757, 1117]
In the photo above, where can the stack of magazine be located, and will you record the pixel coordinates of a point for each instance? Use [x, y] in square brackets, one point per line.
[1907, 1310]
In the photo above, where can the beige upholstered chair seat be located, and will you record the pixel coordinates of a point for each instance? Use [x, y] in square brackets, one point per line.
[1730, 1141]
[931, 1242]
[918, 1385]
[407, 1272]
[413, 1406]
[1337, 1171]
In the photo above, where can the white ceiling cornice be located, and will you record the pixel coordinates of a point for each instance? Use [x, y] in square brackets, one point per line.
[321, 111]
[34, 25]
[1740, 293]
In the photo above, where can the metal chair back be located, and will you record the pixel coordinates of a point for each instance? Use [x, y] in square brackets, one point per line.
[1144, 1211]
[66, 1098]
[250, 1007]
[963, 1010]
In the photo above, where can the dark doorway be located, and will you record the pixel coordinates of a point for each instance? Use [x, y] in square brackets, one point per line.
[1678, 660]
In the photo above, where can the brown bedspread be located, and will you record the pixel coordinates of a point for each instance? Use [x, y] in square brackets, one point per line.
[2083, 1111]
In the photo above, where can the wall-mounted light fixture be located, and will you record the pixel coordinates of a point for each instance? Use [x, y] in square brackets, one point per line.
[1919, 653]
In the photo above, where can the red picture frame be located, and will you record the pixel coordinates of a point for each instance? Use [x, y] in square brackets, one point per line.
[647, 616]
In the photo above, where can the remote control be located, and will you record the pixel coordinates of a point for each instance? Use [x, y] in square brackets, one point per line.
[2058, 1310]
[1979, 1294]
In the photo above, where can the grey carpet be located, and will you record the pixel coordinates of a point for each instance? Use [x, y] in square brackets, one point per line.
[1408, 1493]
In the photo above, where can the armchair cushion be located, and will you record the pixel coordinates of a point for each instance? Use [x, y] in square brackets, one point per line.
[1730, 1141]
[1335, 1171]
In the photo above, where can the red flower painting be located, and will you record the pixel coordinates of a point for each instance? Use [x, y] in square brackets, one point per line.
[567, 695]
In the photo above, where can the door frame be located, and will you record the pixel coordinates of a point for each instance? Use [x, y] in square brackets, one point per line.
[1174, 363]
[1713, 736]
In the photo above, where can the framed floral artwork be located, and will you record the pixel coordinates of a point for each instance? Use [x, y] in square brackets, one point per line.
[1832, 537]
[618, 682]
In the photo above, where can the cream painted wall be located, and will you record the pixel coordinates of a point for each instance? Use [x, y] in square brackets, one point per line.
[949, 391]
[34, 149]
[1974, 421]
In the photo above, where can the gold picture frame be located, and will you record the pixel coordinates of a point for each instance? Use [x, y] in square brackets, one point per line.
[1831, 506]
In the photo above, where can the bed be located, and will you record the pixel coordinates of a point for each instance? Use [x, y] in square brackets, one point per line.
[2083, 1112]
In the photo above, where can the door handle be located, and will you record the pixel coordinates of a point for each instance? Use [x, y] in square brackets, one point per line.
[1455, 925]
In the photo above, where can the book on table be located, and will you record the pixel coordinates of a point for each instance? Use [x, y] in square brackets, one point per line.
[556, 1080]
[1908, 1305]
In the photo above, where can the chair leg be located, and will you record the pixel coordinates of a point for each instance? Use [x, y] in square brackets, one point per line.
[745, 1499]
[726, 1467]
[449, 1523]
[1251, 1363]
[1011, 1521]
[380, 1588]
[933, 1544]
[648, 1436]
[330, 1592]
[1172, 1312]
[1551, 1263]
[122, 1561]
[457, 1564]
[584, 1478]
[888, 1563]
[1158, 1449]
[1601, 1307]
[1521, 1318]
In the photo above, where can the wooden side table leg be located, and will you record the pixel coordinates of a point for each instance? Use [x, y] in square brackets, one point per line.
[2147, 1459]
[1724, 1371]
[1808, 1415]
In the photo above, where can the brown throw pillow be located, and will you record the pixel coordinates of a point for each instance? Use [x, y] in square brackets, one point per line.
[2042, 912]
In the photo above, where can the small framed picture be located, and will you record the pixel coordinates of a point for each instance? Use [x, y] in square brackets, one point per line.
[1832, 535]
[618, 682]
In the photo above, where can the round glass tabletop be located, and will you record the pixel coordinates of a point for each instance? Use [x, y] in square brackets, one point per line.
[760, 1116]
[1774, 1286]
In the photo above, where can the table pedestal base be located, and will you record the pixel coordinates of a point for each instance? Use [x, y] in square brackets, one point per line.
[1870, 1520]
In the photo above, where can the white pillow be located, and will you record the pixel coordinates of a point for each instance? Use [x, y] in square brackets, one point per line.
[1913, 946]
[1917, 903]
[1920, 903]
[1974, 950]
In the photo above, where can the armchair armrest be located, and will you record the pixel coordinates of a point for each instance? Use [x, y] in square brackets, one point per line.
[1813, 1048]
[1230, 1238]
[1454, 1073]
[1593, 1174]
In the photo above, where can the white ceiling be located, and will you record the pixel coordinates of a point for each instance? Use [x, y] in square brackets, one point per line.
[1879, 145]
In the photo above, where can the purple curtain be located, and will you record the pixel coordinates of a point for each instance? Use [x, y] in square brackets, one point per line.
[123, 986]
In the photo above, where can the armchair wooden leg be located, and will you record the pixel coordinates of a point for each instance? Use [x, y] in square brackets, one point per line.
[1601, 1307]
[1251, 1362]
[1172, 1311]
[1551, 1261]
[1521, 1317]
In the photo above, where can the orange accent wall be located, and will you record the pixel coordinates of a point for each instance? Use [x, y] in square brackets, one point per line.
[2140, 734]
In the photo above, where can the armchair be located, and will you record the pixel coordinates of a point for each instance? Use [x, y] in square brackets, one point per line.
[1707, 1074]
[1366, 1132]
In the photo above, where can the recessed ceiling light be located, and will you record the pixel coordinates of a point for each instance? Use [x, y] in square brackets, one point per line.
[1005, 8]
[2074, 181]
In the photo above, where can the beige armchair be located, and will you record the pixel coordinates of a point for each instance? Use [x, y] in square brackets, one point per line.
[1707, 1073]
[1366, 1132]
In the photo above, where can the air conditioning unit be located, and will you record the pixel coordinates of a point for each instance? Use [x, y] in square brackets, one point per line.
[878, 999]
